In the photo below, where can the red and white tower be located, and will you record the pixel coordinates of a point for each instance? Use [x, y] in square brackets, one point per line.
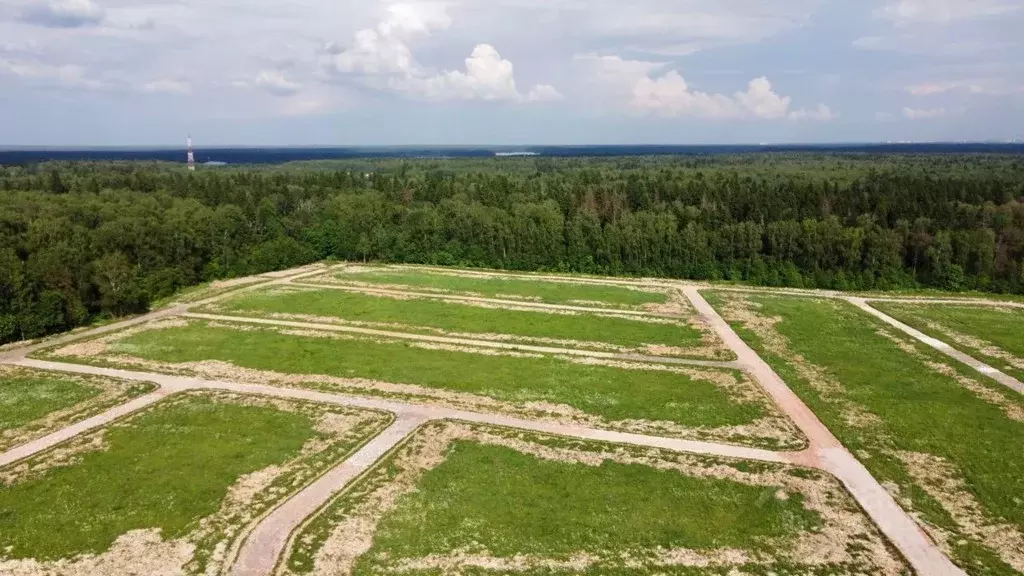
[191, 155]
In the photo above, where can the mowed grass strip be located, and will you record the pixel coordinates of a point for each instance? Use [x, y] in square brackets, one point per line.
[509, 503]
[167, 469]
[608, 392]
[25, 399]
[547, 291]
[920, 410]
[1001, 327]
[465, 318]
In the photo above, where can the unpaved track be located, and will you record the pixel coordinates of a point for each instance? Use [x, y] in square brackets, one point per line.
[268, 540]
[265, 542]
[463, 341]
[829, 454]
[993, 373]
[803, 293]
[482, 300]
[492, 273]
[170, 384]
[64, 434]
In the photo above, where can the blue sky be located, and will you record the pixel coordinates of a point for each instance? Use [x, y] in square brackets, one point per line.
[366, 72]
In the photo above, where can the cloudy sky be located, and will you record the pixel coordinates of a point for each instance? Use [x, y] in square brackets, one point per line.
[307, 72]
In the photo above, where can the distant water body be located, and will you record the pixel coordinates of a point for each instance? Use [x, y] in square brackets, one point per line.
[9, 156]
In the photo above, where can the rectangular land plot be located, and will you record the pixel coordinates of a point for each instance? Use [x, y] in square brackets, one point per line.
[680, 401]
[567, 292]
[943, 439]
[992, 334]
[458, 498]
[170, 489]
[35, 403]
[641, 335]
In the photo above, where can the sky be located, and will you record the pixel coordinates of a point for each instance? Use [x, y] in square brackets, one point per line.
[461, 72]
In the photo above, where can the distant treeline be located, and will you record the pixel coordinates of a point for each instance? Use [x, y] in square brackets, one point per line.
[82, 240]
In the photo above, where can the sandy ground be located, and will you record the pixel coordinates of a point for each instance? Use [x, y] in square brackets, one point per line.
[825, 452]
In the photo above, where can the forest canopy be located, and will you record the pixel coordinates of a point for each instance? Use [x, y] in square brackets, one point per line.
[83, 240]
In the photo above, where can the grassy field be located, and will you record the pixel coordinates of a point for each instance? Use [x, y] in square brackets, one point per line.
[34, 403]
[993, 335]
[546, 291]
[512, 503]
[146, 478]
[464, 318]
[563, 513]
[26, 398]
[607, 392]
[166, 468]
[911, 409]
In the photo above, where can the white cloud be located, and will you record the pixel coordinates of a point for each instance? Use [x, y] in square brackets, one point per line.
[384, 60]
[762, 101]
[670, 95]
[544, 93]
[821, 113]
[985, 86]
[67, 75]
[167, 86]
[62, 13]
[905, 12]
[923, 114]
[384, 49]
[275, 82]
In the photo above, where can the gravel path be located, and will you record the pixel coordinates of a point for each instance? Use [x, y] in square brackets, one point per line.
[265, 545]
[804, 293]
[64, 434]
[481, 300]
[464, 341]
[993, 373]
[260, 553]
[170, 384]
[828, 454]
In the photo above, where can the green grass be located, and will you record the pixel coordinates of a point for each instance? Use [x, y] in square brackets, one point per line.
[612, 393]
[25, 399]
[921, 411]
[454, 317]
[167, 469]
[513, 503]
[1002, 327]
[506, 503]
[550, 292]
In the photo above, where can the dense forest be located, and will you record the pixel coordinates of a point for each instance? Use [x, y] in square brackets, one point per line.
[83, 240]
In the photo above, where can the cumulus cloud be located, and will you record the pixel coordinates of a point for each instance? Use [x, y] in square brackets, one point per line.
[923, 114]
[906, 12]
[63, 13]
[383, 57]
[820, 113]
[275, 82]
[544, 93]
[669, 94]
